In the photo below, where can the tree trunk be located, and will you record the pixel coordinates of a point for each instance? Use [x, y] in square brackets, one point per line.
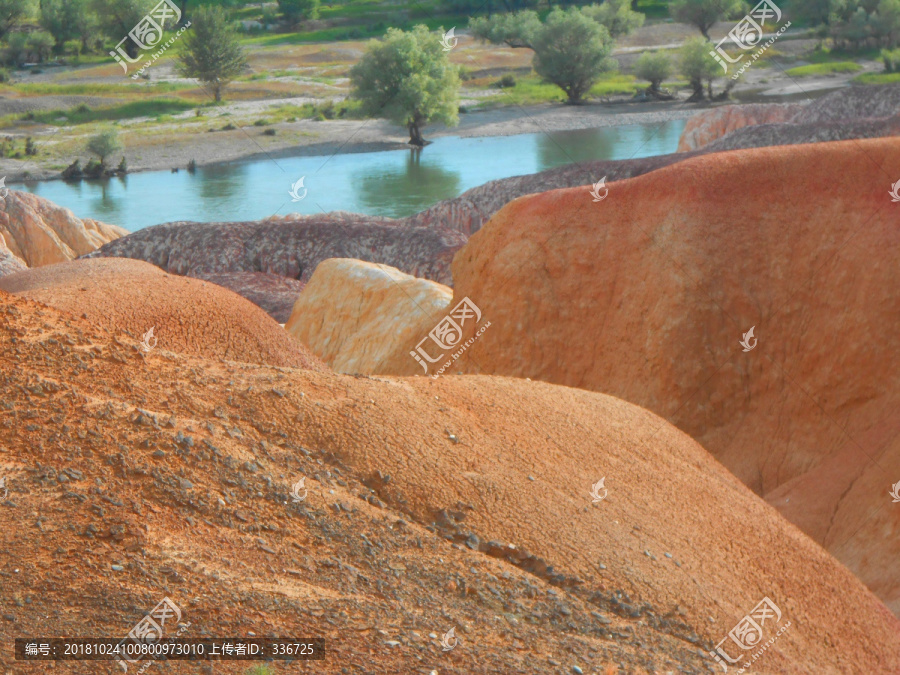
[217, 92]
[698, 92]
[415, 136]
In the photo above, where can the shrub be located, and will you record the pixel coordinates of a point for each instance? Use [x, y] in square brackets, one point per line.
[654, 67]
[30, 147]
[571, 51]
[40, 43]
[505, 82]
[269, 132]
[891, 58]
[103, 145]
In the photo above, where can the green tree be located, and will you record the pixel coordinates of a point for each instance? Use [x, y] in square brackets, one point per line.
[698, 67]
[887, 24]
[40, 44]
[704, 13]
[16, 51]
[12, 13]
[616, 15]
[299, 10]
[571, 51]
[514, 30]
[117, 17]
[211, 51]
[67, 20]
[654, 67]
[407, 78]
[104, 144]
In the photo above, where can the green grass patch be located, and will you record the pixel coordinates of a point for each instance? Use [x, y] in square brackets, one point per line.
[826, 55]
[532, 90]
[93, 89]
[615, 84]
[877, 78]
[824, 69]
[157, 107]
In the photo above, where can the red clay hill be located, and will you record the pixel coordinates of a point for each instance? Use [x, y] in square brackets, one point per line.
[187, 315]
[647, 294]
[460, 503]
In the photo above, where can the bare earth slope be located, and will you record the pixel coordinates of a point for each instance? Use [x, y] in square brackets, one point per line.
[188, 316]
[647, 294]
[177, 471]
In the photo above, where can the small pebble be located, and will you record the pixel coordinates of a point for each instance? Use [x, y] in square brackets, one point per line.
[668, 555]
[576, 669]
[117, 568]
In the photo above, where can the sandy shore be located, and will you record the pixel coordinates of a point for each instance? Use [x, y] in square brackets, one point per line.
[173, 146]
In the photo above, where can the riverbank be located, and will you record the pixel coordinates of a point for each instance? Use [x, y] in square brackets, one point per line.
[188, 138]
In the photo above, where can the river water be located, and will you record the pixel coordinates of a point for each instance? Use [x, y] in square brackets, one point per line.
[392, 183]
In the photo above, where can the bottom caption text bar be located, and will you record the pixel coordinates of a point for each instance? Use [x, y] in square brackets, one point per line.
[173, 649]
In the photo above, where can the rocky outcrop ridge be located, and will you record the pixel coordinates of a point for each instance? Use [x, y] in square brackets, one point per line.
[41, 233]
[853, 112]
[9, 263]
[709, 125]
[290, 248]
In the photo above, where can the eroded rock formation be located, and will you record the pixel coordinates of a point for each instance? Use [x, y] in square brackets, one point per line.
[354, 315]
[710, 125]
[646, 295]
[41, 233]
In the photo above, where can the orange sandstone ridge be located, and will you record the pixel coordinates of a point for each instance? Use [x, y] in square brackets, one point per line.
[646, 295]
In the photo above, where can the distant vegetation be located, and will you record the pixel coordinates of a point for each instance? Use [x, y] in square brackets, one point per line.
[408, 78]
